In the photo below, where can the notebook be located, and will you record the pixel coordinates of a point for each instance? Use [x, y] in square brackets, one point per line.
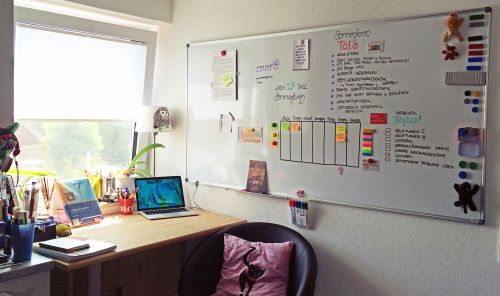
[94, 248]
[161, 197]
[64, 244]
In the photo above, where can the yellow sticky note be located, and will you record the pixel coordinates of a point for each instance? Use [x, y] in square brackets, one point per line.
[340, 130]
[295, 126]
[227, 78]
[340, 138]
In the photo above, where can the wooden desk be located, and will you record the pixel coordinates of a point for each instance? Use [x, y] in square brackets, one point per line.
[149, 254]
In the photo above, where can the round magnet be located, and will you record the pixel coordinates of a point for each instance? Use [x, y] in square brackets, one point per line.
[275, 124]
[475, 109]
[370, 160]
[462, 175]
[462, 164]
[275, 143]
[472, 165]
[467, 101]
[467, 93]
[475, 101]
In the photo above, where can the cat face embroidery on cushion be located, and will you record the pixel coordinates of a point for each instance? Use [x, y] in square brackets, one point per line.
[250, 274]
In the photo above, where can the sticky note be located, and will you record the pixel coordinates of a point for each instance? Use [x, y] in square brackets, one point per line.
[340, 138]
[285, 126]
[295, 126]
[367, 144]
[227, 79]
[340, 129]
[368, 131]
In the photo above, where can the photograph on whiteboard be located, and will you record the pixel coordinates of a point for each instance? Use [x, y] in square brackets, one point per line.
[257, 176]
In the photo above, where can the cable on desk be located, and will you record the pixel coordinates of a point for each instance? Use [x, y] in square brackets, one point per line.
[194, 195]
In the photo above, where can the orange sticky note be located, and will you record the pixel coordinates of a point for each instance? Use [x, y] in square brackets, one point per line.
[340, 138]
[295, 126]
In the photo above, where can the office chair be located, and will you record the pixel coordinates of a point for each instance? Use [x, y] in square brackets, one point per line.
[201, 271]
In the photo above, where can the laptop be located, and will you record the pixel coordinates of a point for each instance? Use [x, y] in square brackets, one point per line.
[161, 198]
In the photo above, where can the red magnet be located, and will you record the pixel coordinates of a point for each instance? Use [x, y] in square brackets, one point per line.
[223, 53]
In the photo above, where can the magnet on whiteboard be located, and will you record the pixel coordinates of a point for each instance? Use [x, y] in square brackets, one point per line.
[370, 164]
[466, 78]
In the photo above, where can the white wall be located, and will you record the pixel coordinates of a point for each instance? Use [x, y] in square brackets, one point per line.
[160, 10]
[360, 252]
[6, 63]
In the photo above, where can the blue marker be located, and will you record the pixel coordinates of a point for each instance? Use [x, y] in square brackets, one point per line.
[473, 68]
[475, 60]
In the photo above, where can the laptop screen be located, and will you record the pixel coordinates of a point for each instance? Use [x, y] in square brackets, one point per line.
[159, 193]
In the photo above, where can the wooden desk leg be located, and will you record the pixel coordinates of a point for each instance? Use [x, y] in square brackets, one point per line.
[153, 272]
[72, 283]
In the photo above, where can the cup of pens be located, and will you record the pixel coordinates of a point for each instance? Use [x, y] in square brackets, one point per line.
[22, 233]
[127, 202]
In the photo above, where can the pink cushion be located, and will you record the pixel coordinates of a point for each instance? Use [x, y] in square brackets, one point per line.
[268, 277]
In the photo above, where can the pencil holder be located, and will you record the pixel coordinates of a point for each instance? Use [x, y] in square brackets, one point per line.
[22, 241]
[126, 206]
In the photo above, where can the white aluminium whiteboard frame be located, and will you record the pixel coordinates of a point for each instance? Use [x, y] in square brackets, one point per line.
[480, 221]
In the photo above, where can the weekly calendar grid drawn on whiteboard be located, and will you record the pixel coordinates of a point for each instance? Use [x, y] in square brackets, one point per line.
[387, 115]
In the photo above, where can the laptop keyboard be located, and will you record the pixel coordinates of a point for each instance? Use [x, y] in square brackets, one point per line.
[164, 211]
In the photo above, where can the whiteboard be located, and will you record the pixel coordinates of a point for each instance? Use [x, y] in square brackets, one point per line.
[388, 76]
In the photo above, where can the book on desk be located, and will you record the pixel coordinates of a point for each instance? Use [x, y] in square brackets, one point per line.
[73, 251]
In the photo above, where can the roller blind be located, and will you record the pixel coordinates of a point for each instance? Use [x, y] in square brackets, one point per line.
[72, 75]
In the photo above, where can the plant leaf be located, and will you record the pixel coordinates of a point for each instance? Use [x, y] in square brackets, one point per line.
[142, 173]
[143, 151]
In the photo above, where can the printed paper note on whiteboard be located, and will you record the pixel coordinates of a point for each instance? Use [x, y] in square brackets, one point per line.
[225, 123]
[301, 55]
[224, 86]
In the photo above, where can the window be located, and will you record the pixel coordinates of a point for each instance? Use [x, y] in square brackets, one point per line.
[76, 93]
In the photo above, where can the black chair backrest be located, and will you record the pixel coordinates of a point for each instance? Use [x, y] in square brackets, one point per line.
[303, 263]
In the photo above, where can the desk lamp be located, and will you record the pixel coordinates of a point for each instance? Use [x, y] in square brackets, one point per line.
[152, 119]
